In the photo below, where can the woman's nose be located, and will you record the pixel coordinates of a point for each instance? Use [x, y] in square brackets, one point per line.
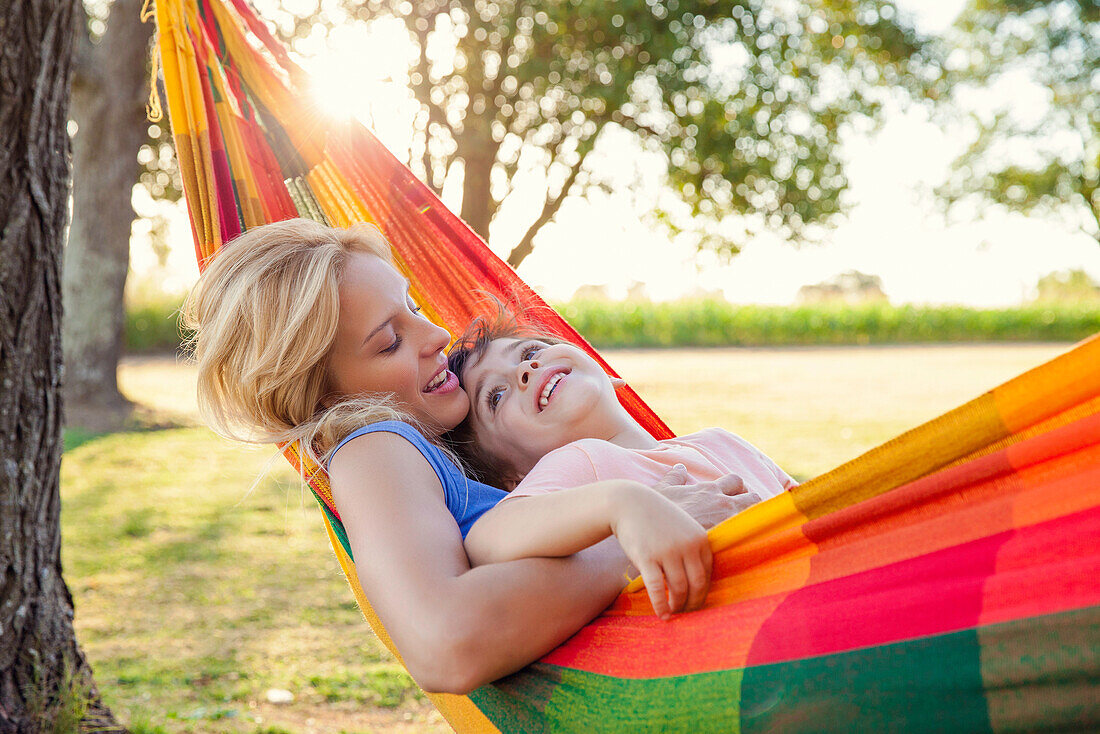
[437, 339]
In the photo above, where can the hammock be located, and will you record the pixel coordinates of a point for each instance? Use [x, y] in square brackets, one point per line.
[945, 580]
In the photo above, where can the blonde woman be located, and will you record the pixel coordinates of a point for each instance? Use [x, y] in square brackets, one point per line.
[307, 333]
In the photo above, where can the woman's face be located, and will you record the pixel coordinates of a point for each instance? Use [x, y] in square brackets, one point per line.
[383, 345]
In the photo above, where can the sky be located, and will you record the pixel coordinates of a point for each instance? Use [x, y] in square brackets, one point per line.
[894, 229]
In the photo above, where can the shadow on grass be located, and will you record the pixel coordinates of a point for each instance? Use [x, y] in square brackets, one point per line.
[141, 419]
[77, 436]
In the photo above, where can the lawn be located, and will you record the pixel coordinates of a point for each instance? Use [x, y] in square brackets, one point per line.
[203, 580]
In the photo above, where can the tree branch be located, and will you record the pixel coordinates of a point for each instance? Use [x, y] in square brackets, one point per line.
[634, 126]
[553, 203]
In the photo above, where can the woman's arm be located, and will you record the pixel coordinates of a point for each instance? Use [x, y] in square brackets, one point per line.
[457, 628]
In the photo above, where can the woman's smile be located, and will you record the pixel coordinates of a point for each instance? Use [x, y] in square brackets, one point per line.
[444, 383]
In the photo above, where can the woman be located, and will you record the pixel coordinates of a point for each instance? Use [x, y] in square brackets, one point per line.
[306, 333]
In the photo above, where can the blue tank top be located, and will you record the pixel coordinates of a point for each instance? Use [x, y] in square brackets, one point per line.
[466, 499]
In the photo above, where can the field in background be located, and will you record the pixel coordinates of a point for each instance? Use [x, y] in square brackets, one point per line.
[202, 582]
[813, 408]
[152, 325]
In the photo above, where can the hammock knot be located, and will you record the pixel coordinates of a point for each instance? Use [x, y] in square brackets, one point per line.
[154, 112]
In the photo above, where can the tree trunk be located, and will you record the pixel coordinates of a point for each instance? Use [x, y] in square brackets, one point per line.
[109, 91]
[40, 663]
[478, 152]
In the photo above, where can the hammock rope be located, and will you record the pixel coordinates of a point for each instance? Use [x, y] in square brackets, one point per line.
[943, 581]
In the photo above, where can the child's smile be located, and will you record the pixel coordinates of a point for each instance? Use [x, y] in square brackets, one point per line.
[550, 384]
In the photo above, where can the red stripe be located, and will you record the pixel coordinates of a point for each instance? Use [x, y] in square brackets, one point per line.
[1054, 564]
[1042, 569]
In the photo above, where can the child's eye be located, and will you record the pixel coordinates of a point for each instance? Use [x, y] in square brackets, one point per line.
[530, 351]
[493, 398]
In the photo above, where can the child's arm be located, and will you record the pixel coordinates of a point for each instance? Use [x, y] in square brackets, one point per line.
[667, 546]
[554, 524]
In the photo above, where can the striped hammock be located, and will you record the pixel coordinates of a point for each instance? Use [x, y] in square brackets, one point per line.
[946, 580]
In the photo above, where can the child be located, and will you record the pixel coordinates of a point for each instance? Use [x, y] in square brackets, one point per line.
[543, 421]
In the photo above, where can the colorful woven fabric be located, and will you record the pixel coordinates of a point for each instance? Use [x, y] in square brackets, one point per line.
[943, 581]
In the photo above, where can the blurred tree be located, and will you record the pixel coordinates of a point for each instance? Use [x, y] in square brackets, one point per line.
[110, 86]
[1067, 285]
[1044, 158]
[850, 286]
[746, 99]
[46, 684]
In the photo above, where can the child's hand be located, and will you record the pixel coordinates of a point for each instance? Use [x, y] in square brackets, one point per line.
[708, 502]
[668, 548]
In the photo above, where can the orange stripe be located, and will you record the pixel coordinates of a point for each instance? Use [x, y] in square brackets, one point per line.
[1065, 381]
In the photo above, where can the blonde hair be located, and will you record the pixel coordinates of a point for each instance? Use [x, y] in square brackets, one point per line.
[264, 316]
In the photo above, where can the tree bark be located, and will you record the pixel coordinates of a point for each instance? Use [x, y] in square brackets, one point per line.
[110, 87]
[478, 152]
[40, 662]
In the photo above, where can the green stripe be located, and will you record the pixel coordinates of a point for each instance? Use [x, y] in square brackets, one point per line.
[337, 526]
[545, 698]
[1037, 673]
[931, 684]
[1044, 676]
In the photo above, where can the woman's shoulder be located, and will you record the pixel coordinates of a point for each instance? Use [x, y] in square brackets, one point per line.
[382, 453]
[406, 431]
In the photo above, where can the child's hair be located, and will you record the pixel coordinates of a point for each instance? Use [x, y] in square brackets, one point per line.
[468, 349]
[263, 317]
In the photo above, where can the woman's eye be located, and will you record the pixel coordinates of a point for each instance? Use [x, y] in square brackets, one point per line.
[530, 352]
[397, 339]
[494, 397]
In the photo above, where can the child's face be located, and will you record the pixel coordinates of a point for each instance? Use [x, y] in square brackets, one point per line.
[528, 398]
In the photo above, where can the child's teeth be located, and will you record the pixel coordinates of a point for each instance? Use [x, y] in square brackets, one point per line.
[544, 400]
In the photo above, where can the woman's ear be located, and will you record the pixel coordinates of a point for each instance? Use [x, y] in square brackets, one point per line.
[618, 382]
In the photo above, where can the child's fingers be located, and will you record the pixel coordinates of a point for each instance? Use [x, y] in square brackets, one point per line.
[677, 581]
[697, 566]
[655, 586]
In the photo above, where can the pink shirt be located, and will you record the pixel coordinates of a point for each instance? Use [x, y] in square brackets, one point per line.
[708, 455]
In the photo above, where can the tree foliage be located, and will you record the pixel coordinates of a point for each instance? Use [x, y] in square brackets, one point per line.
[746, 99]
[1067, 285]
[1044, 158]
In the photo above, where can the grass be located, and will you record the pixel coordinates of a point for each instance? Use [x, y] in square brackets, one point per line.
[195, 594]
